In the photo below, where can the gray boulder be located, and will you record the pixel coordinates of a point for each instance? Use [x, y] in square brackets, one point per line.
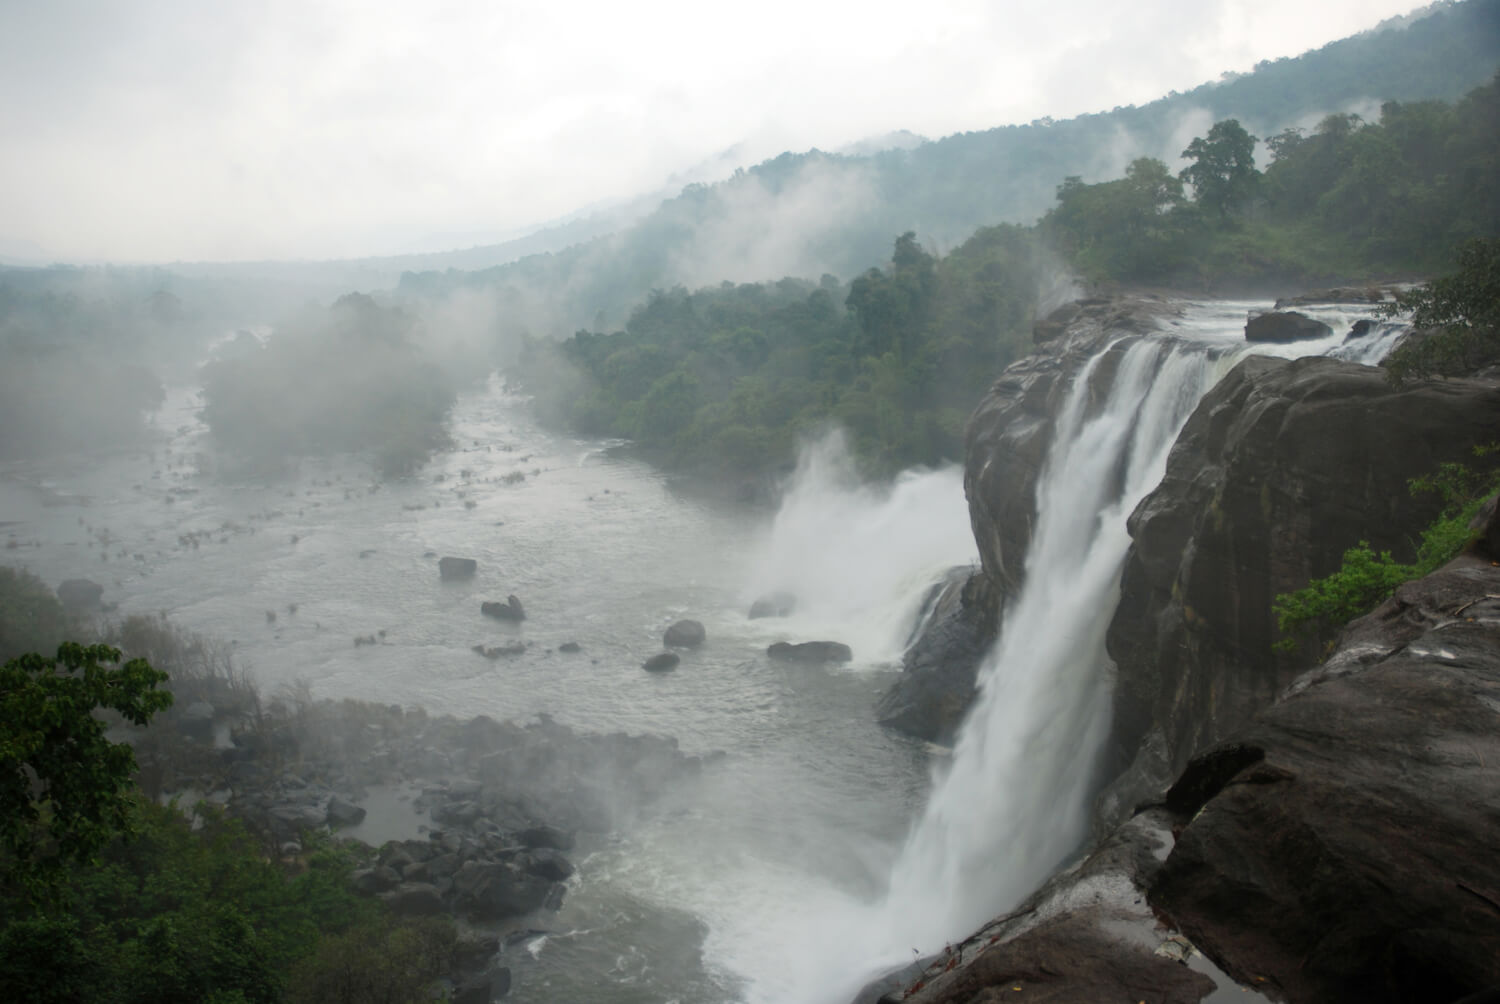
[457, 569]
[661, 662]
[414, 899]
[80, 595]
[510, 610]
[492, 890]
[778, 604]
[684, 634]
[1284, 326]
[342, 812]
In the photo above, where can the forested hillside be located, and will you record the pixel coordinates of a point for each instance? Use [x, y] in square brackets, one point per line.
[728, 377]
[810, 213]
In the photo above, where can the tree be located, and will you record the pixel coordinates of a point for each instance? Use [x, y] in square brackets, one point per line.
[1223, 173]
[65, 789]
[1462, 311]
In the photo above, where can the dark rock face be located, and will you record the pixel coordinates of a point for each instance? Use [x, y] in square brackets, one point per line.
[1084, 937]
[684, 634]
[810, 651]
[492, 890]
[510, 610]
[1284, 326]
[939, 669]
[342, 812]
[1357, 859]
[456, 569]
[1339, 848]
[773, 605]
[1283, 467]
[80, 595]
[661, 662]
[1008, 435]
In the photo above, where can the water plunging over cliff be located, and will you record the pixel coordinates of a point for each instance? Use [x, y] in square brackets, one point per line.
[1015, 801]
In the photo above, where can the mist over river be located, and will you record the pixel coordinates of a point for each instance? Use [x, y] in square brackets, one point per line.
[751, 884]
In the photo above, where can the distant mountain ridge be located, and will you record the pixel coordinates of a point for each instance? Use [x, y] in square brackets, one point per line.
[811, 213]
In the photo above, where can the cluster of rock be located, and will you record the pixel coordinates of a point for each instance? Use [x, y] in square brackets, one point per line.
[506, 801]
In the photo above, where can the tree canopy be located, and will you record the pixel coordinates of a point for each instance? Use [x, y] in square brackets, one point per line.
[64, 787]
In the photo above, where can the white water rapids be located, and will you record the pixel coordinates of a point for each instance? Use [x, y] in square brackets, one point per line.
[814, 854]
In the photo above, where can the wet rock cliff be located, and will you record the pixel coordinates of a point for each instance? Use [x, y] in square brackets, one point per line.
[1317, 825]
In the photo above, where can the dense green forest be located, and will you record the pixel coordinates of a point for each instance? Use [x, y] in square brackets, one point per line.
[108, 896]
[838, 214]
[727, 378]
[1349, 198]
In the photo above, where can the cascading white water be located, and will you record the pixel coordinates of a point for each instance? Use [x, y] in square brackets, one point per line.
[1015, 801]
[855, 556]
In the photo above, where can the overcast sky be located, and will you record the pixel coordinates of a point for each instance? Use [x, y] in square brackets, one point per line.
[161, 130]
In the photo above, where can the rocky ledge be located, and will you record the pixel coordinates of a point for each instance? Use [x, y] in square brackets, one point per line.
[1339, 847]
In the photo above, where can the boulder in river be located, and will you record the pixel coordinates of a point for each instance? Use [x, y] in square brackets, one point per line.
[510, 610]
[684, 634]
[661, 662]
[776, 604]
[79, 595]
[457, 569]
[810, 651]
[1284, 326]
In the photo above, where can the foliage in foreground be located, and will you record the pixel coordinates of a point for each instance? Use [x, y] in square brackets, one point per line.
[1462, 310]
[1365, 578]
[65, 790]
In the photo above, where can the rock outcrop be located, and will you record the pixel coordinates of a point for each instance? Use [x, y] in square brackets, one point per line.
[1339, 847]
[940, 667]
[684, 634]
[457, 569]
[1006, 444]
[1283, 467]
[1284, 326]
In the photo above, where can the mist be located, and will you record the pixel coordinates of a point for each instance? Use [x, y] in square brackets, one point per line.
[552, 428]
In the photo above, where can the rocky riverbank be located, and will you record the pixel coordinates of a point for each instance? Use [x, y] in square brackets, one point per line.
[482, 815]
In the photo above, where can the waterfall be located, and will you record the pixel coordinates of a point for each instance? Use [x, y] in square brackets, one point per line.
[1015, 800]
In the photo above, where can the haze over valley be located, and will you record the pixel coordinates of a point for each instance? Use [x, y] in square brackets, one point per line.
[819, 504]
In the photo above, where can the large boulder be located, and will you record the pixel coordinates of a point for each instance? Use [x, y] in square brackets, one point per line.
[1282, 467]
[1284, 326]
[492, 890]
[510, 610]
[80, 595]
[684, 634]
[661, 662]
[778, 604]
[1353, 857]
[457, 569]
[939, 669]
[810, 651]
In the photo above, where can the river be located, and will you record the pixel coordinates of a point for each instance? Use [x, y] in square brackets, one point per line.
[765, 881]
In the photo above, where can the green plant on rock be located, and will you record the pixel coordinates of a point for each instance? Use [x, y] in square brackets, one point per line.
[1365, 577]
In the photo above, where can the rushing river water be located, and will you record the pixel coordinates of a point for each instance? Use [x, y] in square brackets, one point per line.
[771, 879]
